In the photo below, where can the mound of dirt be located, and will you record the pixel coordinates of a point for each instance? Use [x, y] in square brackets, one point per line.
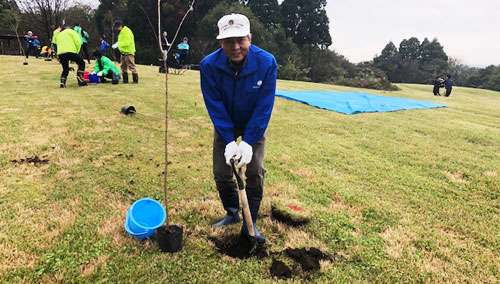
[280, 269]
[35, 160]
[238, 246]
[308, 259]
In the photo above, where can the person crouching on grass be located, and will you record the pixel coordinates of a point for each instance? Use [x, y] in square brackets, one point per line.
[68, 47]
[105, 68]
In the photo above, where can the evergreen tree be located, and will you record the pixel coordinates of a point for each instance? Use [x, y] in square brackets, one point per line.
[409, 49]
[306, 22]
[389, 62]
[107, 12]
[7, 10]
[208, 30]
[268, 12]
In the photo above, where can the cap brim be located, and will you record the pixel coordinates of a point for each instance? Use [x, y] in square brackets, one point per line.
[232, 34]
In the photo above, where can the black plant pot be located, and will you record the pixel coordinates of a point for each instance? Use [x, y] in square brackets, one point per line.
[126, 110]
[170, 239]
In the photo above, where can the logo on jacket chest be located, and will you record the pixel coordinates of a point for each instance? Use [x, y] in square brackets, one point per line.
[257, 85]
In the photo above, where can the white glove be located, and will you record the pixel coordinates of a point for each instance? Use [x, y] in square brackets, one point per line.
[99, 74]
[232, 150]
[246, 152]
[115, 45]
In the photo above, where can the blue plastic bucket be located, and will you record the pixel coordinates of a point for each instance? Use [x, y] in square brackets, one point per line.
[141, 234]
[93, 78]
[146, 214]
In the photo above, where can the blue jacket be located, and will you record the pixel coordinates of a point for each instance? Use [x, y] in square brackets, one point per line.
[104, 45]
[29, 41]
[448, 83]
[244, 102]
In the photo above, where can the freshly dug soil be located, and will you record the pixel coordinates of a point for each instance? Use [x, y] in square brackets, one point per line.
[280, 269]
[287, 218]
[35, 160]
[308, 259]
[238, 246]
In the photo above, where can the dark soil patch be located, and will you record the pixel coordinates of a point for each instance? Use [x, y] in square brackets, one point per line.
[280, 269]
[284, 217]
[308, 259]
[35, 160]
[238, 246]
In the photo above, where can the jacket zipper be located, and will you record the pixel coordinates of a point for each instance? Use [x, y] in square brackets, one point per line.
[235, 77]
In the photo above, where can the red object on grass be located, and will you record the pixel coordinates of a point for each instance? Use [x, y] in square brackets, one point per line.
[295, 208]
[86, 77]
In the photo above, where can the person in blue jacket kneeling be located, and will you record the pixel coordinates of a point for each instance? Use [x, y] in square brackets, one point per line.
[238, 82]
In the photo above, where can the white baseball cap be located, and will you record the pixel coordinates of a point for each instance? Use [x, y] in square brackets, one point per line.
[234, 25]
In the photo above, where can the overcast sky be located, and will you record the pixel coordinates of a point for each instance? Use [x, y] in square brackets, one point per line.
[468, 29]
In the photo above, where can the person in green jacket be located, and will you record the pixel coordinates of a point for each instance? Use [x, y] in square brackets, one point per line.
[54, 38]
[105, 68]
[68, 47]
[84, 37]
[126, 46]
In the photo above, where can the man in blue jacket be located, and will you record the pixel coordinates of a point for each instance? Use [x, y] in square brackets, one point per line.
[448, 85]
[238, 82]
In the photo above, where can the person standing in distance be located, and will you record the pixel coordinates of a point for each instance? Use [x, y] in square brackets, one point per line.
[84, 36]
[238, 82]
[126, 46]
[165, 44]
[448, 85]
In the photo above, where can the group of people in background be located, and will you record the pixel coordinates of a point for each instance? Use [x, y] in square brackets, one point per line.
[71, 44]
[181, 57]
[439, 82]
[32, 44]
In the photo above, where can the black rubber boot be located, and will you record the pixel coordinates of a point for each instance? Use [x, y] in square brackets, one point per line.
[125, 78]
[79, 78]
[231, 203]
[63, 82]
[254, 205]
[135, 78]
[116, 78]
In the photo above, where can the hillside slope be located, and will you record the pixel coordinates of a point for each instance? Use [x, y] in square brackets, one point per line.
[408, 196]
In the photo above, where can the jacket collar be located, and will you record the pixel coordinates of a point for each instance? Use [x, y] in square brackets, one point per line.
[249, 68]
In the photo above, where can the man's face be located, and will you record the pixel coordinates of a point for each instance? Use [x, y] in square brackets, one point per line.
[164, 33]
[236, 48]
[119, 28]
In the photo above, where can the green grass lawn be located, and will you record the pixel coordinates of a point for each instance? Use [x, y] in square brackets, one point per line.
[401, 197]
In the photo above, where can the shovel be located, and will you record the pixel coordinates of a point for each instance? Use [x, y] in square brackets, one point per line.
[246, 210]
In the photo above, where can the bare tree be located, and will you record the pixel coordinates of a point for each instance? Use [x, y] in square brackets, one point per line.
[45, 14]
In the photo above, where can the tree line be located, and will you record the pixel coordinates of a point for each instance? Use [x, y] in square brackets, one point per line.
[295, 31]
[421, 62]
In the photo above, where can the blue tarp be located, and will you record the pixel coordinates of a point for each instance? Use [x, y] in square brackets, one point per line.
[354, 102]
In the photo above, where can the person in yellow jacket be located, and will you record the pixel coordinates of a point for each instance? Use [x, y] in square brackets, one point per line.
[55, 33]
[126, 46]
[68, 47]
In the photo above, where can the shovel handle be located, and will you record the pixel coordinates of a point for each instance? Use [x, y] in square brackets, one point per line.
[237, 174]
[243, 199]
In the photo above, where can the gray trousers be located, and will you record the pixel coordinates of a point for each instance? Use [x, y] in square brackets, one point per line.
[254, 173]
